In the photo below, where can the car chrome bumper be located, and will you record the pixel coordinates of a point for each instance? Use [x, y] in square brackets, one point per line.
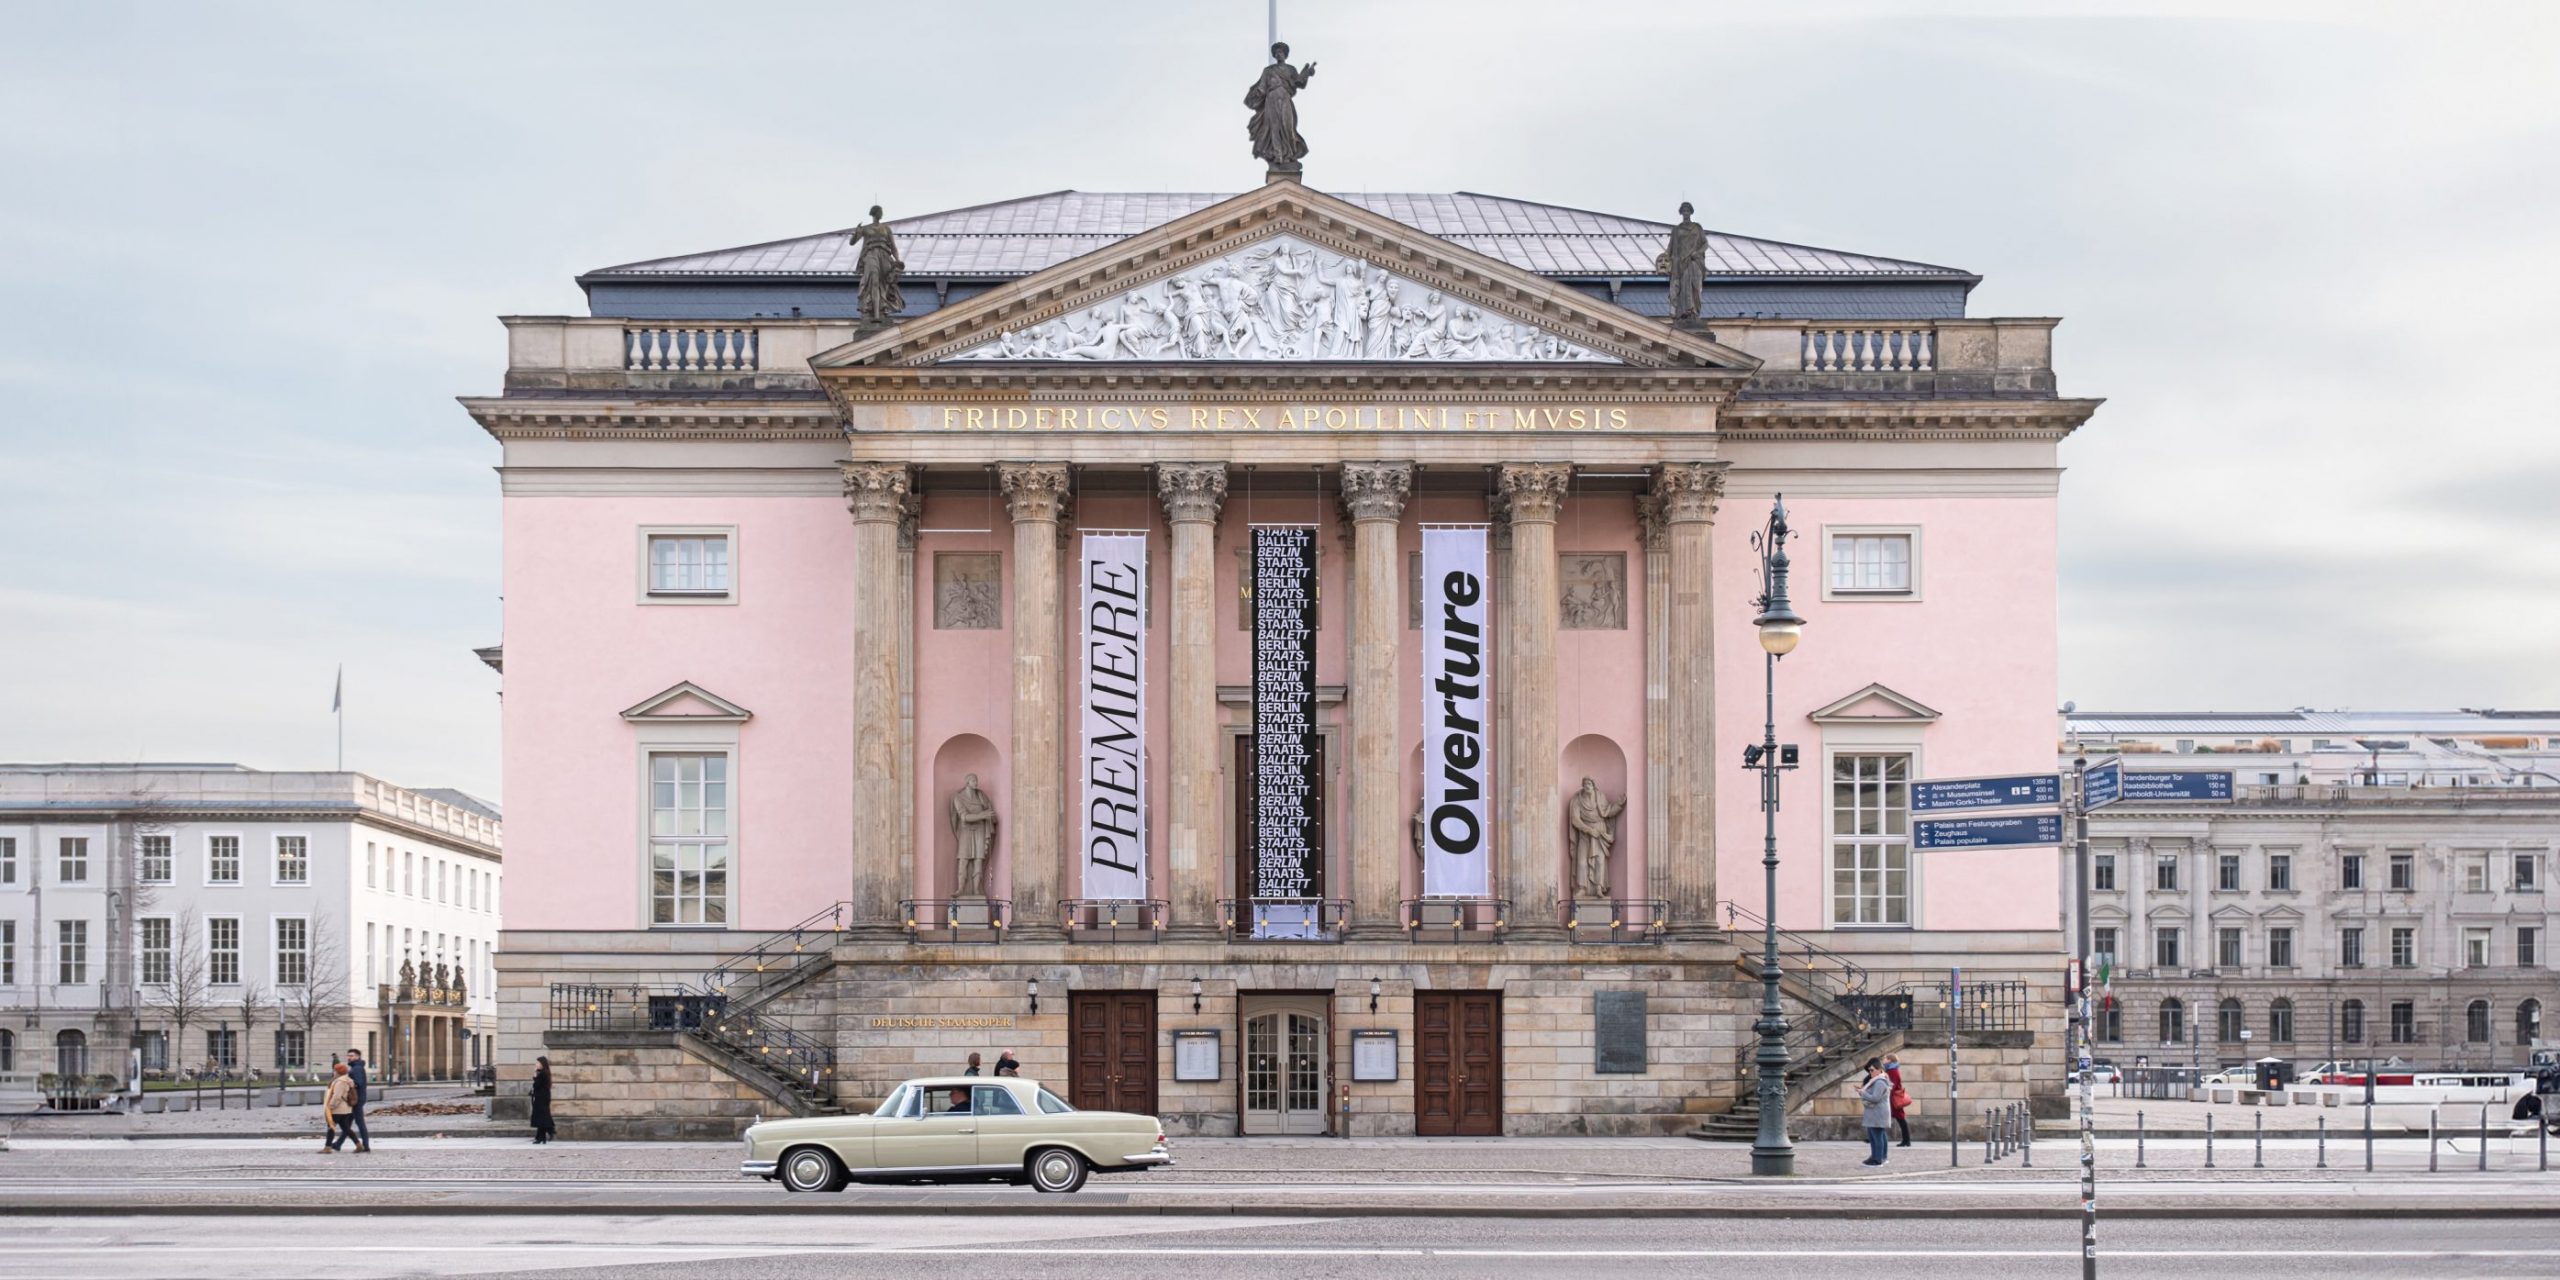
[1149, 1159]
[759, 1168]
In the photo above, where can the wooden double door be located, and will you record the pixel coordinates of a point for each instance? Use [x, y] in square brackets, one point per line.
[1112, 1065]
[1457, 1063]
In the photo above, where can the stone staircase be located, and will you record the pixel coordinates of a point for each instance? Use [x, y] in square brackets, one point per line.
[1834, 1024]
[746, 1030]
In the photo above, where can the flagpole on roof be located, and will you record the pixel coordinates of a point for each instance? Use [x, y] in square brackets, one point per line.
[338, 708]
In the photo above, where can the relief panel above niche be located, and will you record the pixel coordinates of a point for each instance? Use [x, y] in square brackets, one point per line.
[1283, 300]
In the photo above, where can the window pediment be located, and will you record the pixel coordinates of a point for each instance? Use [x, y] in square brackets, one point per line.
[686, 703]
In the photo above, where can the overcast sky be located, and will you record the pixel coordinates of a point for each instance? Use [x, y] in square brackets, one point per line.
[250, 253]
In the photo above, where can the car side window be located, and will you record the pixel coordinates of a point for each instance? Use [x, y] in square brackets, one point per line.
[1053, 1104]
[994, 1100]
[947, 1102]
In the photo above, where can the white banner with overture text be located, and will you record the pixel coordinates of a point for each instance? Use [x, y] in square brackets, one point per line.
[1113, 828]
[1456, 861]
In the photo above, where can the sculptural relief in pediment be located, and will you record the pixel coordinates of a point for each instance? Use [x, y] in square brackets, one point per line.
[1282, 300]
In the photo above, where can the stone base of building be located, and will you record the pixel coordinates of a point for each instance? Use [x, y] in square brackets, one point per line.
[1220, 1038]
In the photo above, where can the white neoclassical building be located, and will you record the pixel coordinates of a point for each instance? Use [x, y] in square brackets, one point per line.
[216, 915]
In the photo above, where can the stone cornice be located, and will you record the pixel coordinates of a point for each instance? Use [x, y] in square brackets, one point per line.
[1905, 419]
[1192, 491]
[1375, 490]
[1211, 384]
[655, 420]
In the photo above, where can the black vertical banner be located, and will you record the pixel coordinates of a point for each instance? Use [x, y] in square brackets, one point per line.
[1284, 725]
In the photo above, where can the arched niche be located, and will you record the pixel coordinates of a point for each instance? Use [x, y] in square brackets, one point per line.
[1598, 757]
[959, 756]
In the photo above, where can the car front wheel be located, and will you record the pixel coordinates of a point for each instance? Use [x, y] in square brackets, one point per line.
[1057, 1170]
[811, 1169]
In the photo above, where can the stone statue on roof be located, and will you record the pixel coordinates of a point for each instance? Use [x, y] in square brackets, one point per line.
[879, 268]
[1274, 100]
[1685, 262]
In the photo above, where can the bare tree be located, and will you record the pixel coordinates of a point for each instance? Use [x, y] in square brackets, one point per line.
[187, 997]
[253, 1001]
[323, 989]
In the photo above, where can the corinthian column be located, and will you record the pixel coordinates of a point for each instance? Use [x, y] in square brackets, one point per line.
[876, 494]
[1373, 495]
[1192, 493]
[1036, 494]
[1684, 496]
[1533, 492]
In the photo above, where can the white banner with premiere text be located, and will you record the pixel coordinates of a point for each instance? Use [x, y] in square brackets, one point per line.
[1113, 829]
[1456, 848]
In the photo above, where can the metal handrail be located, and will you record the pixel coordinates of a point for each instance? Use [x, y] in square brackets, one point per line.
[956, 919]
[1629, 920]
[1114, 919]
[1316, 919]
[803, 1060]
[1455, 919]
[740, 974]
[1852, 977]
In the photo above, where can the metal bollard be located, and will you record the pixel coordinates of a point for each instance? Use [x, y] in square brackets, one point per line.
[2484, 1137]
[2026, 1136]
[1990, 1136]
[2258, 1158]
[2431, 1139]
[2324, 1143]
[2542, 1138]
[2368, 1137]
[2139, 1137]
[2208, 1139]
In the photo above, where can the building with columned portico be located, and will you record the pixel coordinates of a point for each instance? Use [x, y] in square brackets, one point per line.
[1206, 532]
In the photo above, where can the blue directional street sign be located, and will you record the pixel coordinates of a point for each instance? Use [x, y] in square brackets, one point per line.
[1990, 832]
[2176, 784]
[2018, 791]
[2104, 786]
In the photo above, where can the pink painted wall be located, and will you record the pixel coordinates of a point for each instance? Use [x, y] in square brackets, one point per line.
[1979, 647]
[963, 686]
[1600, 685]
[580, 648]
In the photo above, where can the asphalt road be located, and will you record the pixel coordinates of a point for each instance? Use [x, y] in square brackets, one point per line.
[595, 1247]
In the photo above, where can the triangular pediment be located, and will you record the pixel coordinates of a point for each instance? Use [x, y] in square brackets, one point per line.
[687, 702]
[1874, 704]
[1285, 276]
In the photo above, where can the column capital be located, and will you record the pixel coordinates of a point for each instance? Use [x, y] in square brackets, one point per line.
[1192, 491]
[1375, 490]
[1687, 491]
[1535, 489]
[876, 492]
[1033, 491]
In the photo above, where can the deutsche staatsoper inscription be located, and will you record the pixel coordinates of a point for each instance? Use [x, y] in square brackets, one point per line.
[1283, 299]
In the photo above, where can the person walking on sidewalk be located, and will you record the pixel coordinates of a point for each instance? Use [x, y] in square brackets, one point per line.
[355, 1117]
[1005, 1064]
[973, 1066]
[1875, 1097]
[1901, 1098]
[336, 1108]
[543, 1128]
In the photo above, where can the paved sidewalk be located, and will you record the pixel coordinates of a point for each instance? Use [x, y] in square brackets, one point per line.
[240, 1120]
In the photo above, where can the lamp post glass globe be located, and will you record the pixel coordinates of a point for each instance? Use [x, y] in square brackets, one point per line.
[1779, 637]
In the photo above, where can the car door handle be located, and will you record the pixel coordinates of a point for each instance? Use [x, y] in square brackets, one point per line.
[970, 1129]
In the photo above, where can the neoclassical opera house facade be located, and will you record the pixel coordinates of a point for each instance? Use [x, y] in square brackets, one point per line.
[1277, 661]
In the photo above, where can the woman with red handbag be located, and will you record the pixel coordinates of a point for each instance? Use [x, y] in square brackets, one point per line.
[1901, 1098]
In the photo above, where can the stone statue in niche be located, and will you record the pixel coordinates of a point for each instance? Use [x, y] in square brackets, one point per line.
[1592, 592]
[878, 269]
[1274, 101]
[966, 585]
[1593, 837]
[1684, 261]
[973, 822]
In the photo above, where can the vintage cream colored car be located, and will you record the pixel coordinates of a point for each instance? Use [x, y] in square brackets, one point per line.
[956, 1129]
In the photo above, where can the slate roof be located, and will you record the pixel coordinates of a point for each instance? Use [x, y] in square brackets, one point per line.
[2402, 724]
[1018, 237]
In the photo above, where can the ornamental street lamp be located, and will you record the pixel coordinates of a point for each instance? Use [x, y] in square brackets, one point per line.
[1780, 628]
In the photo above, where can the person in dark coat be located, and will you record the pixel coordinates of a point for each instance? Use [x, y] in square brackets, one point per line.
[973, 1066]
[543, 1128]
[364, 1093]
[1005, 1064]
[1901, 1098]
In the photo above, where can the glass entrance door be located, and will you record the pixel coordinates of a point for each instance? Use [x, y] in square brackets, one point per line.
[1284, 1072]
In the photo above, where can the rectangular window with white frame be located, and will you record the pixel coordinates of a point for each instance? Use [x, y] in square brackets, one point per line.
[71, 952]
[372, 878]
[2528, 873]
[222, 859]
[1871, 839]
[159, 961]
[292, 951]
[73, 865]
[2528, 946]
[2475, 948]
[159, 860]
[293, 860]
[1871, 562]
[2102, 872]
[222, 950]
[2280, 948]
[8, 860]
[689, 838]
[8, 953]
[688, 565]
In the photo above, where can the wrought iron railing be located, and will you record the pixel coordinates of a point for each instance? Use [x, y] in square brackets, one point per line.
[956, 919]
[806, 1062]
[1114, 919]
[1456, 919]
[1825, 970]
[1284, 919]
[778, 956]
[1987, 1006]
[636, 1006]
[1625, 921]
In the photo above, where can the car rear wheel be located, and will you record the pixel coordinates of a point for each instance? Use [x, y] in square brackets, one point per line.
[811, 1169]
[1057, 1170]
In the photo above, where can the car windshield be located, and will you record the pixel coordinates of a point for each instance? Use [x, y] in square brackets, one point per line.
[896, 1103]
[1053, 1104]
